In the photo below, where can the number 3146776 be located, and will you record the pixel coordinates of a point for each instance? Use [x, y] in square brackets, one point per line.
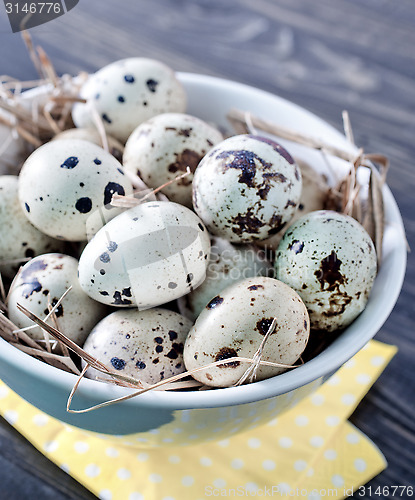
[386, 491]
[34, 8]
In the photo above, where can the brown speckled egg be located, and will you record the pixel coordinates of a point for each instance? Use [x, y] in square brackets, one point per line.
[234, 323]
[227, 264]
[145, 345]
[19, 239]
[246, 188]
[47, 277]
[162, 148]
[127, 93]
[330, 260]
[64, 185]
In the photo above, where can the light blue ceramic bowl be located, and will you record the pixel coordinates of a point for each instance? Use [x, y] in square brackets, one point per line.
[160, 419]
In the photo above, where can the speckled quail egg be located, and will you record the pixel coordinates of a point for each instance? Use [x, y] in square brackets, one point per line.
[163, 147]
[234, 323]
[64, 185]
[47, 277]
[127, 93]
[330, 260]
[92, 135]
[147, 256]
[227, 264]
[247, 188]
[19, 239]
[145, 345]
[313, 197]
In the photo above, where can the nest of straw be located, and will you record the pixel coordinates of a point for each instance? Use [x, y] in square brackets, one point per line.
[50, 114]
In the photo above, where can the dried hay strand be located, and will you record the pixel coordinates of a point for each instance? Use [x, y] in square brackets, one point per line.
[171, 383]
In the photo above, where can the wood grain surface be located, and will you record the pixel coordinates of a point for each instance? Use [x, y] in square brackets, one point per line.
[324, 55]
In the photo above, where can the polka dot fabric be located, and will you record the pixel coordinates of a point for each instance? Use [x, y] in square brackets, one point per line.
[306, 452]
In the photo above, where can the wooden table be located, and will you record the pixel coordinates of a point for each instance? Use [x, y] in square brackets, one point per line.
[324, 55]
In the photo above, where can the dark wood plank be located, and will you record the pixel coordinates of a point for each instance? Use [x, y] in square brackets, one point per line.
[326, 56]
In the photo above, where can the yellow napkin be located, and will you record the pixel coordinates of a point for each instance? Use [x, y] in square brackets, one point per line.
[310, 452]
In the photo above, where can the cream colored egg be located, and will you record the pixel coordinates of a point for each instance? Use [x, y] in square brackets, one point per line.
[145, 257]
[19, 239]
[46, 278]
[145, 345]
[66, 187]
[127, 93]
[227, 264]
[246, 189]
[163, 147]
[235, 322]
[330, 260]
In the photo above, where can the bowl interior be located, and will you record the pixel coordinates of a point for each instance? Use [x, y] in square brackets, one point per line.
[211, 98]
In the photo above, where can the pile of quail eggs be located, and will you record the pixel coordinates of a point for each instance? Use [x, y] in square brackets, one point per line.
[239, 249]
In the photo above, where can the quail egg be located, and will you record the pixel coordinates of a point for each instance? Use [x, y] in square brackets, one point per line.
[147, 256]
[20, 240]
[127, 93]
[246, 188]
[45, 279]
[145, 345]
[64, 183]
[330, 260]
[234, 323]
[227, 264]
[163, 147]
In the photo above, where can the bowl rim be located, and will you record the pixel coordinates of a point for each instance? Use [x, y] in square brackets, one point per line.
[327, 362]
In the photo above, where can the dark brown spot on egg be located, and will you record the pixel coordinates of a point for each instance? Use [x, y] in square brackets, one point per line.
[277, 147]
[216, 301]
[290, 203]
[70, 162]
[172, 354]
[264, 325]
[118, 300]
[117, 363]
[185, 132]
[30, 253]
[172, 335]
[255, 287]
[329, 272]
[152, 84]
[276, 224]
[226, 353]
[186, 158]
[110, 189]
[296, 246]
[246, 223]
[59, 309]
